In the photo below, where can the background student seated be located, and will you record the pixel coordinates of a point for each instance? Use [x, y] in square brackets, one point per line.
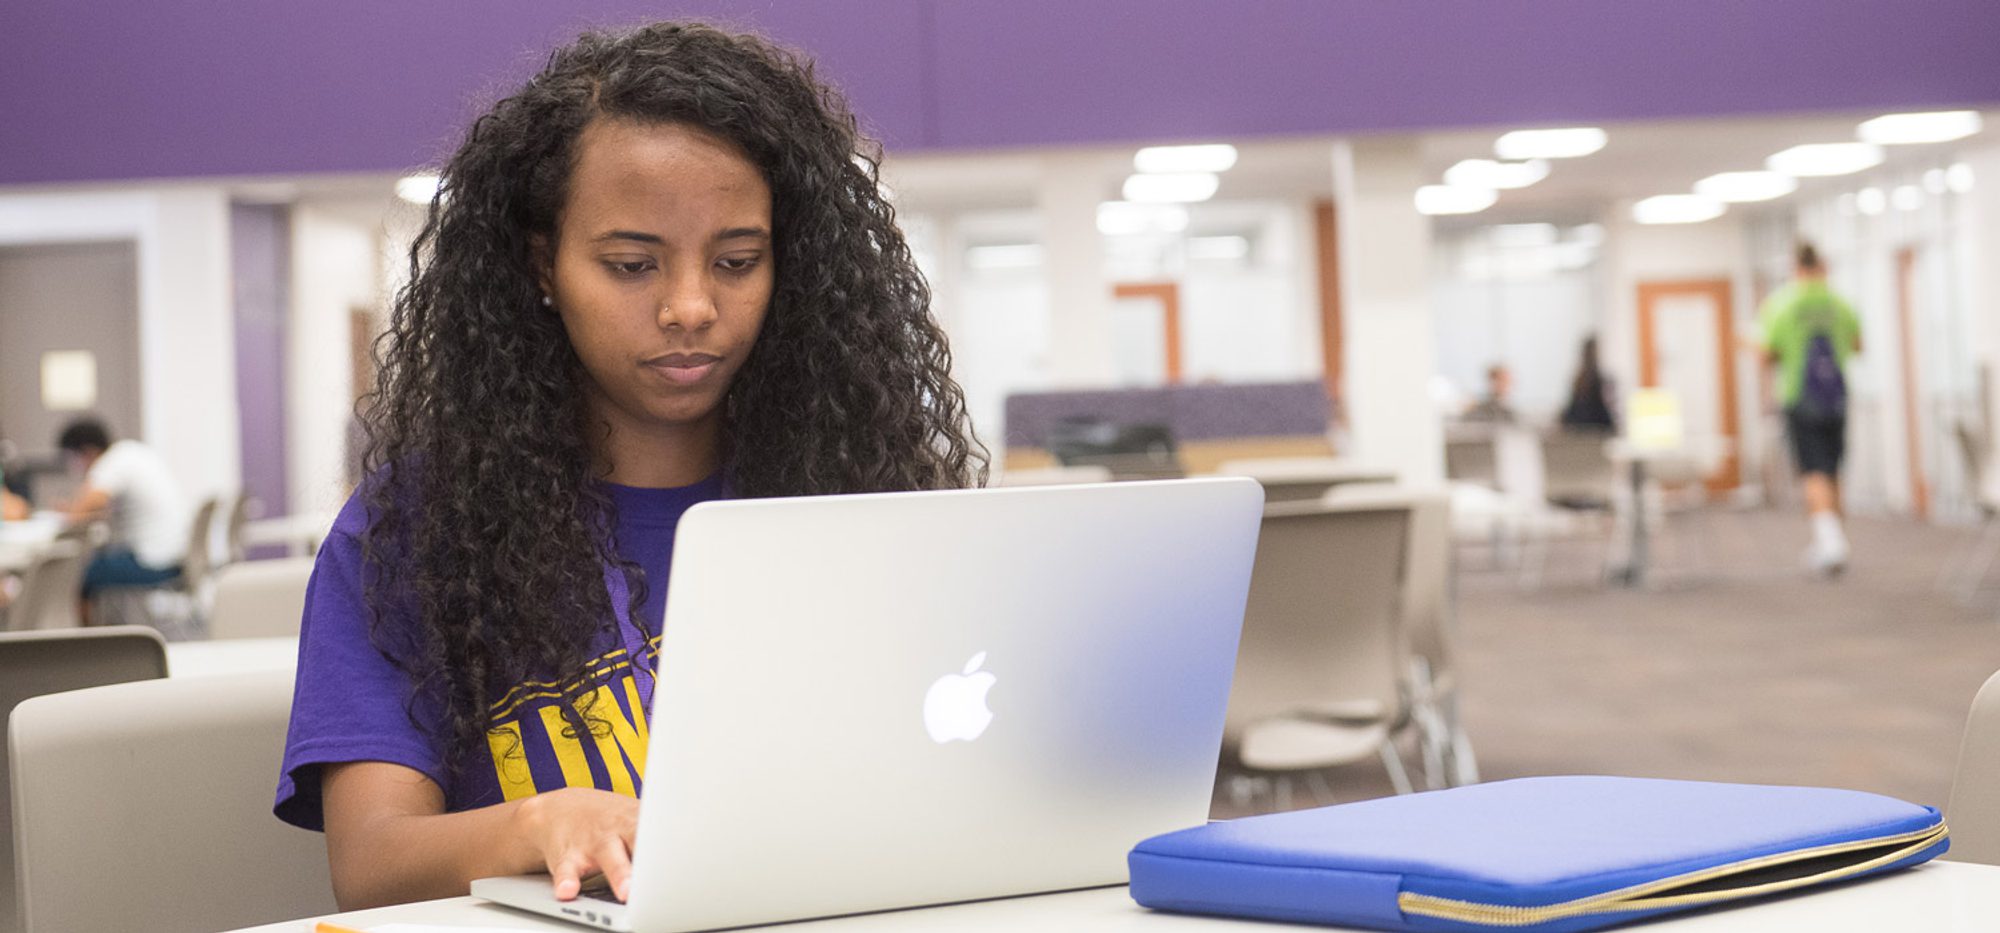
[128, 486]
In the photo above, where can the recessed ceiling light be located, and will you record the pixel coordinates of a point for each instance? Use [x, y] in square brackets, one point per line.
[1446, 199]
[1740, 187]
[1958, 178]
[1566, 143]
[1124, 218]
[1819, 160]
[1871, 201]
[1486, 173]
[1676, 209]
[1908, 128]
[419, 188]
[1213, 157]
[1177, 188]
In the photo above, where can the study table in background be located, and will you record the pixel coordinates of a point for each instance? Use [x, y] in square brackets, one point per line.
[1946, 897]
[23, 540]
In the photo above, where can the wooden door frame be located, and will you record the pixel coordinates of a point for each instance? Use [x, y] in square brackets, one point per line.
[1906, 314]
[1169, 296]
[1730, 473]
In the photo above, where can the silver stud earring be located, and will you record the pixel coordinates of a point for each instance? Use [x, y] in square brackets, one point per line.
[548, 302]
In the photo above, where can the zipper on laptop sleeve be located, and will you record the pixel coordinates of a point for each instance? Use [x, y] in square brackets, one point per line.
[1657, 895]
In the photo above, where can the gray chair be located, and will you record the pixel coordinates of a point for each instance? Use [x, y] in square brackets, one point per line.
[1469, 455]
[150, 803]
[259, 598]
[177, 608]
[36, 663]
[239, 516]
[1429, 621]
[1974, 810]
[1579, 470]
[50, 589]
[1319, 669]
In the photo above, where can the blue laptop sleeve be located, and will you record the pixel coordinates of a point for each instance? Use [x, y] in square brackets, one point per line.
[1542, 854]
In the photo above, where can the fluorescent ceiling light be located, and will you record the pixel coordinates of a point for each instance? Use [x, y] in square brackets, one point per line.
[1958, 178]
[1898, 129]
[1218, 247]
[1819, 160]
[1124, 218]
[419, 188]
[1871, 201]
[1739, 187]
[1178, 188]
[1486, 173]
[1445, 199]
[1907, 197]
[1005, 256]
[1567, 143]
[1677, 209]
[1216, 157]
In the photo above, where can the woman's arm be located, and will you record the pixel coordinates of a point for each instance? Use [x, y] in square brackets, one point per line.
[389, 840]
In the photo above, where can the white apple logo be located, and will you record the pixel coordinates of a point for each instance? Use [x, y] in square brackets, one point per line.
[955, 708]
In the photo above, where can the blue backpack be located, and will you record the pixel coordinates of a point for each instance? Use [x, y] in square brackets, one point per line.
[1824, 395]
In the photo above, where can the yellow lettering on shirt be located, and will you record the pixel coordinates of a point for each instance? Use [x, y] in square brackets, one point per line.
[621, 736]
[568, 749]
[510, 761]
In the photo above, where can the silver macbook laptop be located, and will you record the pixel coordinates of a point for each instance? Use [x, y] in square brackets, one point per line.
[883, 701]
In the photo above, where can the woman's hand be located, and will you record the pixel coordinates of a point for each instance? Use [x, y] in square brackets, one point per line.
[581, 832]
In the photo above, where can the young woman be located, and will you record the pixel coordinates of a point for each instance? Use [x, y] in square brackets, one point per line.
[661, 272]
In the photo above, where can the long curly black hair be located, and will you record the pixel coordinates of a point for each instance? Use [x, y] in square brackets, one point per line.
[486, 524]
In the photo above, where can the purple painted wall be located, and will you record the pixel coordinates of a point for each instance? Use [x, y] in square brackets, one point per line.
[260, 262]
[151, 88]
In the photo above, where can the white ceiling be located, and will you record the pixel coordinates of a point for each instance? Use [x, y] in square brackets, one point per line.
[1641, 160]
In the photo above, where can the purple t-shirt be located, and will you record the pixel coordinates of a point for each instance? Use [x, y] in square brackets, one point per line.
[351, 704]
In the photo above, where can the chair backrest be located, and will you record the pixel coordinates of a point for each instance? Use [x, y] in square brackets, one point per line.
[239, 516]
[198, 563]
[50, 589]
[1427, 567]
[259, 598]
[1469, 456]
[153, 800]
[1577, 467]
[37, 663]
[1974, 811]
[1321, 623]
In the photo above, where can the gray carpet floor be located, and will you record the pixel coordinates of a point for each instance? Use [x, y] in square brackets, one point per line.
[1732, 665]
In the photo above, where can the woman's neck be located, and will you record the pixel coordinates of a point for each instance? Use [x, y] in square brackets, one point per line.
[654, 456]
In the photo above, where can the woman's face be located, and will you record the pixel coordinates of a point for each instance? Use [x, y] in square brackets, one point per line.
[662, 270]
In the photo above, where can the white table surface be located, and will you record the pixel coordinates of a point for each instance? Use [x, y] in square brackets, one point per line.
[1954, 897]
[23, 539]
[231, 656]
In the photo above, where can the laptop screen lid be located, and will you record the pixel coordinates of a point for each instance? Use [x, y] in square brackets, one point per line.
[881, 701]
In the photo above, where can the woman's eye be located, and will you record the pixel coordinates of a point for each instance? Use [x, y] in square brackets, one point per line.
[630, 268]
[738, 263]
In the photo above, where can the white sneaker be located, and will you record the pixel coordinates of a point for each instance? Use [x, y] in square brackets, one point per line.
[1827, 559]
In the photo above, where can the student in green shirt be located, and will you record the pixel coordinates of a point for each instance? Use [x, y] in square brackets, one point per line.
[1809, 333]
